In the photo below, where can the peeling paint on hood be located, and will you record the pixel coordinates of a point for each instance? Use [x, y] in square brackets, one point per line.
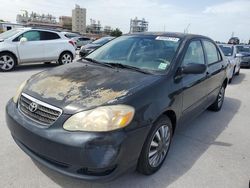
[80, 86]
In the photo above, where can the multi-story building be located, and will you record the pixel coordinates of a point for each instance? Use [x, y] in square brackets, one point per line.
[79, 19]
[65, 22]
[137, 25]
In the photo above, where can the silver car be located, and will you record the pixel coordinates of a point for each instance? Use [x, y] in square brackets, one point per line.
[230, 51]
[81, 41]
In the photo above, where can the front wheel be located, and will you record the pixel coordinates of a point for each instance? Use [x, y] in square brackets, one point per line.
[65, 58]
[156, 147]
[7, 62]
[217, 105]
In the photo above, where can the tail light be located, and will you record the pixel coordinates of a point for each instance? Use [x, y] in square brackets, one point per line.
[71, 42]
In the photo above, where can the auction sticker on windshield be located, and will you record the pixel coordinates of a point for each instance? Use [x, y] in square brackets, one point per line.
[172, 39]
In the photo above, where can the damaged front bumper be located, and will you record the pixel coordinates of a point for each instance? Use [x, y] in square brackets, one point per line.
[83, 155]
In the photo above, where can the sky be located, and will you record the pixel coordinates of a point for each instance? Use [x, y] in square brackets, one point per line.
[217, 19]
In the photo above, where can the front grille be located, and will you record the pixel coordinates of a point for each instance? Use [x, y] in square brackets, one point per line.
[44, 113]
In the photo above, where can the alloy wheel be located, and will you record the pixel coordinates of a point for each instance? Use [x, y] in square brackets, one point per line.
[6, 62]
[66, 58]
[221, 96]
[159, 146]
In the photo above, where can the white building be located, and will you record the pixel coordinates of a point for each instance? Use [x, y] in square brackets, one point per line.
[79, 19]
[5, 26]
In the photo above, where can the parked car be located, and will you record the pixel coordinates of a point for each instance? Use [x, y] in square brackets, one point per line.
[72, 36]
[243, 54]
[119, 107]
[27, 45]
[234, 40]
[81, 41]
[85, 50]
[233, 62]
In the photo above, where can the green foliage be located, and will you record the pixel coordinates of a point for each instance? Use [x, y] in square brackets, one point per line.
[116, 33]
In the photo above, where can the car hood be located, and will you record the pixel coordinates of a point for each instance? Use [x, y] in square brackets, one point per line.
[81, 85]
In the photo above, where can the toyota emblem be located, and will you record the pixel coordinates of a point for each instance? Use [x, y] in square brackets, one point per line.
[33, 107]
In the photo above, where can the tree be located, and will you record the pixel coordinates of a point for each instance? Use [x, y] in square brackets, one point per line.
[116, 33]
[1, 20]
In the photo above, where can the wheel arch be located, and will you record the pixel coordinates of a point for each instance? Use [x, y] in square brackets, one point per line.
[225, 82]
[66, 51]
[9, 52]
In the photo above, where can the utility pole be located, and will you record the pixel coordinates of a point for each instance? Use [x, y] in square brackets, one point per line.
[186, 29]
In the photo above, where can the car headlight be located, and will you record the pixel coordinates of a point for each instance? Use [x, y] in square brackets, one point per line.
[19, 91]
[101, 119]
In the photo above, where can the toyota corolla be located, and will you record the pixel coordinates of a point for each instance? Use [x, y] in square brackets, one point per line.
[119, 107]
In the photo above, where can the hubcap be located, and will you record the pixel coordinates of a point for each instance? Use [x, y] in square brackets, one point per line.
[159, 146]
[66, 58]
[221, 96]
[6, 62]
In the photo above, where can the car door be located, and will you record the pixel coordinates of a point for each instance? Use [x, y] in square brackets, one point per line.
[215, 71]
[194, 85]
[33, 49]
[52, 45]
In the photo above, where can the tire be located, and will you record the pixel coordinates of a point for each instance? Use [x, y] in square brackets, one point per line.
[47, 63]
[230, 80]
[7, 62]
[147, 164]
[217, 105]
[65, 58]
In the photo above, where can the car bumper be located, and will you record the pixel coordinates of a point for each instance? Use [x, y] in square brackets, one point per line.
[83, 155]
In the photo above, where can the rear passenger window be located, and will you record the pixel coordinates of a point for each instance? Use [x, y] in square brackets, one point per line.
[45, 35]
[194, 54]
[213, 54]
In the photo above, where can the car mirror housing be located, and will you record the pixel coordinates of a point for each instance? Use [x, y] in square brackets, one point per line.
[23, 39]
[193, 68]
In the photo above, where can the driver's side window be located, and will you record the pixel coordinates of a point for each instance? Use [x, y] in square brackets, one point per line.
[194, 54]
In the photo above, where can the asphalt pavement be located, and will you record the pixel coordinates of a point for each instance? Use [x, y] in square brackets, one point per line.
[211, 151]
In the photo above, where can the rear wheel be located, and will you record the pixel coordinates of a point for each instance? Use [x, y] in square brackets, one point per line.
[65, 58]
[217, 105]
[156, 147]
[47, 63]
[7, 62]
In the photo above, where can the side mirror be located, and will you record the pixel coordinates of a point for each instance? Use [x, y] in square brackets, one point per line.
[239, 55]
[194, 68]
[23, 39]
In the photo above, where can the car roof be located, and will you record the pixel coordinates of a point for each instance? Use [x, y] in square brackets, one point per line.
[169, 34]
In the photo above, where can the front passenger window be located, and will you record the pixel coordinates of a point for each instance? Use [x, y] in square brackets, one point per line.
[194, 54]
[32, 36]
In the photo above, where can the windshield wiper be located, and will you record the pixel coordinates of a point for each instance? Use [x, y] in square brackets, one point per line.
[97, 62]
[123, 66]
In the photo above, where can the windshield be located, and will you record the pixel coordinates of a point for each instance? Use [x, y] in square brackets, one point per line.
[102, 41]
[243, 49]
[227, 50]
[9, 33]
[144, 52]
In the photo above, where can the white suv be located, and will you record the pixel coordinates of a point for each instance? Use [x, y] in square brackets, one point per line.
[27, 45]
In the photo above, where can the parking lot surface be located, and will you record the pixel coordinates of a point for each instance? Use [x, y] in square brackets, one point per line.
[211, 151]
